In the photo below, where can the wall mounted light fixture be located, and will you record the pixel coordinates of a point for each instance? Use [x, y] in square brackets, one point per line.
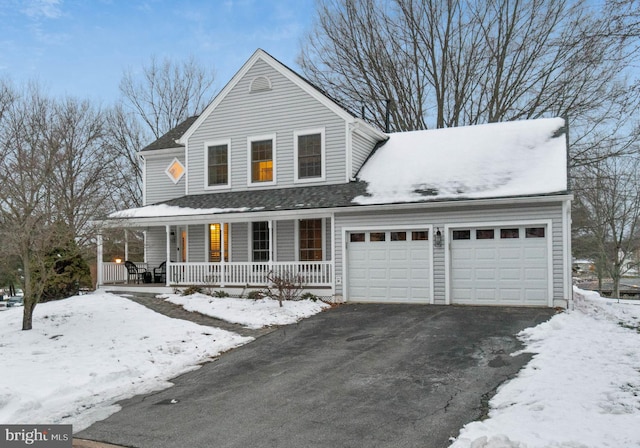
[438, 239]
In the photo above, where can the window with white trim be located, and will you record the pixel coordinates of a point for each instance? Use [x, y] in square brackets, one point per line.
[217, 163]
[310, 238]
[309, 155]
[262, 156]
[260, 241]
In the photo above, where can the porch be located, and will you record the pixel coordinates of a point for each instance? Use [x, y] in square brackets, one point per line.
[311, 274]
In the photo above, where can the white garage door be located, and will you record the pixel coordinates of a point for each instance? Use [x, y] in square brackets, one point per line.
[389, 266]
[500, 266]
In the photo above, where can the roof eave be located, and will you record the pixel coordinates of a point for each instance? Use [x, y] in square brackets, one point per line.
[327, 211]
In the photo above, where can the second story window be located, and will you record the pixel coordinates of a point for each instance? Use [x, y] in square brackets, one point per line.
[218, 165]
[309, 155]
[261, 161]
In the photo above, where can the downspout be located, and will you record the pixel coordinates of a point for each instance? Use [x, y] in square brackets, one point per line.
[567, 223]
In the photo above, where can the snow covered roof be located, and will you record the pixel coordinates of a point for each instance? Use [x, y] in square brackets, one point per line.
[519, 158]
[484, 161]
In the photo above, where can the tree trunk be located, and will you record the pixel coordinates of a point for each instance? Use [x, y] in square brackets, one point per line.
[27, 315]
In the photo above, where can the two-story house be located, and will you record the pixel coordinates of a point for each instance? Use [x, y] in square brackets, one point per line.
[276, 177]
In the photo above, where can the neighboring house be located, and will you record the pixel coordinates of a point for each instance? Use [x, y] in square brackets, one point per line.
[274, 176]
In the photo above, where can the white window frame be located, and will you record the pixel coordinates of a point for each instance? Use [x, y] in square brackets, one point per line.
[323, 236]
[256, 138]
[168, 173]
[206, 164]
[304, 132]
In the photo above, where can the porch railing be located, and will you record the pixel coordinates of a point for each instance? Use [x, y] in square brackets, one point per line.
[313, 273]
[116, 272]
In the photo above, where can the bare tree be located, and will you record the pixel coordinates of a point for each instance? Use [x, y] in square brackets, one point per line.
[168, 92]
[124, 138]
[608, 214]
[28, 156]
[456, 62]
[83, 169]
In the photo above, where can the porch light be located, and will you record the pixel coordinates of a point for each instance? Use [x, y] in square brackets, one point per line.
[438, 240]
[118, 260]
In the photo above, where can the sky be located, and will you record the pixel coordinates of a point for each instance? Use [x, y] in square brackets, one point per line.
[82, 47]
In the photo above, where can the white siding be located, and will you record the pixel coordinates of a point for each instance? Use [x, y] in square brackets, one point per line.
[197, 251]
[239, 244]
[156, 243]
[281, 110]
[439, 218]
[361, 147]
[285, 241]
[159, 187]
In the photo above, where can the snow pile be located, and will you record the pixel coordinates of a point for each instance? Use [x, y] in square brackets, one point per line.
[152, 211]
[581, 389]
[87, 352]
[251, 313]
[483, 161]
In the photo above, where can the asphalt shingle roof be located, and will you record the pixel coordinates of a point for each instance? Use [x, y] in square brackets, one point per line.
[168, 140]
[298, 198]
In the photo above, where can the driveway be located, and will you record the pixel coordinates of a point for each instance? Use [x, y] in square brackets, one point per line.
[354, 376]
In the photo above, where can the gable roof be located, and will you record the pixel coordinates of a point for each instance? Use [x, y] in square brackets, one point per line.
[294, 77]
[493, 160]
[168, 140]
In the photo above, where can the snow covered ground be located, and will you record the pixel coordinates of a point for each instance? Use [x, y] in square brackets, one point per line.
[581, 389]
[87, 352]
[250, 313]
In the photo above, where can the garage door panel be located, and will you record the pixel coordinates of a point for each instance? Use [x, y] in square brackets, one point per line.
[399, 274]
[378, 255]
[485, 254]
[486, 293]
[398, 255]
[535, 274]
[510, 253]
[398, 292]
[485, 274]
[508, 274]
[535, 253]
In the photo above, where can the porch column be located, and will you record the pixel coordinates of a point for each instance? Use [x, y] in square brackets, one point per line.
[270, 222]
[126, 244]
[222, 262]
[168, 259]
[332, 274]
[99, 266]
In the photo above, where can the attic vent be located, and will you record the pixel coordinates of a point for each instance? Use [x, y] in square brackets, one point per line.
[260, 84]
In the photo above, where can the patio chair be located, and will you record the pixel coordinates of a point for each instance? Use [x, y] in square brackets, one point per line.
[160, 273]
[134, 272]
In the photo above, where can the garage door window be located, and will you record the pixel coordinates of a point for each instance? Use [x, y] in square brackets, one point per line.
[422, 235]
[376, 236]
[534, 232]
[398, 236]
[357, 237]
[509, 233]
[462, 234]
[484, 234]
